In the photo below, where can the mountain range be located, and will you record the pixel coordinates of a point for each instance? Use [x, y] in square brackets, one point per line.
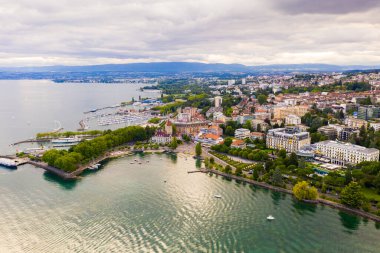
[188, 67]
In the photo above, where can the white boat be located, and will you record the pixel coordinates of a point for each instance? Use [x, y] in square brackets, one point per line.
[8, 163]
[69, 140]
[217, 196]
[270, 217]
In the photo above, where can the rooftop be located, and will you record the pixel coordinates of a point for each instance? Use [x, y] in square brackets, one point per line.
[346, 145]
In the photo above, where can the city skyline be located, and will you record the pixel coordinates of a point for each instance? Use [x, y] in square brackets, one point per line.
[40, 33]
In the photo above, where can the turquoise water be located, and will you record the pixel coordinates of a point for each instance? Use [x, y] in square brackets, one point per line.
[128, 207]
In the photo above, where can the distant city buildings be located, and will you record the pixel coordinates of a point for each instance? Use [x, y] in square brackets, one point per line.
[283, 111]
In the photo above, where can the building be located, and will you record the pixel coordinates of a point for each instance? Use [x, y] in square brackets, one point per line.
[375, 125]
[219, 117]
[161, 138]
[283, 111]
[330, 132]
[259, 125]
[192, 111]
[346, 153]
[169, 127]
[238, 144]
[213, 110]
[190, 128]
[212, 129]
[355, 123]
[209, 139]
[368, 112]
[292, 119]
[290, 139]
[218, 101]
[242, 133]
[347, 132]
[257, 136]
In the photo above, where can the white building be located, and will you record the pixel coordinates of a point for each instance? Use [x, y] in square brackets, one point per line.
[219, 117]
[231, 82]
[292, 119]
[218, 101]
[161, 138]
[290, 139]
[242, 133]
[346, 153]
[243, 81]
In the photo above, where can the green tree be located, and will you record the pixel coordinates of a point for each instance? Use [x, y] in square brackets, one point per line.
[303, 190]
[230, 131]
[174, 143]
[277, 177]
[228, 169]
[282, 153]
[198, 149]
[262, 99]
[255, 175]
[351, 195]
[228, 142]
[238, 172]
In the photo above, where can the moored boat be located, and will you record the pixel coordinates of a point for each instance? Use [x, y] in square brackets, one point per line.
[8, 163]
[69, 140]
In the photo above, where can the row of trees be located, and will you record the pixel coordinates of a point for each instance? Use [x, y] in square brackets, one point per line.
[88, 150]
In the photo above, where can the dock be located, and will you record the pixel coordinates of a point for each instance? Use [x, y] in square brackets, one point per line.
[197, 171]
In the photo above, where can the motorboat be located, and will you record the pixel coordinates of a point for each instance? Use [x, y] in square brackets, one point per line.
[270, 217]
[217, 196]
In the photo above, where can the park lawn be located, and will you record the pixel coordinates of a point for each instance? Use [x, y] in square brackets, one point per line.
[371, 194]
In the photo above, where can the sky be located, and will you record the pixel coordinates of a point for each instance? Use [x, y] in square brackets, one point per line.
[250, 32]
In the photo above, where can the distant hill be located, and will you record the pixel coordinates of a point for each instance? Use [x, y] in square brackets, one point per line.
[189, 67]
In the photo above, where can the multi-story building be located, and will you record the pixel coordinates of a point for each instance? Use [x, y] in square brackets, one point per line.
[161, 138]
[209, 139]
[218, 101]
[368, 112]
[355, 123]
[290, 139]
[219, 117]
[346, 153]
[375, 125]
[292, 119]
[259, 125]
[190, 128]
[329, 131]
[238, 144]
[242, 133]
[347, 132]
[283, 111]
[212, 129]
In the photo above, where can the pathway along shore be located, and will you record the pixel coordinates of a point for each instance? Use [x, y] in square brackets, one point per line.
[279, 189]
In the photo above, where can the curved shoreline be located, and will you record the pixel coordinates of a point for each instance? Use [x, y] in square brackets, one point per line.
[279, 189]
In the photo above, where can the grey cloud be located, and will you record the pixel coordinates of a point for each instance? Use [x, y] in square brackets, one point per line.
[326, 6]
[40, 32]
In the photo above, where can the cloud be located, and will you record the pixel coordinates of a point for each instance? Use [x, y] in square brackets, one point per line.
[327, 6]
[77, 32]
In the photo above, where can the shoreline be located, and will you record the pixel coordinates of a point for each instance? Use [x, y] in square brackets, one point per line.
[321, 201]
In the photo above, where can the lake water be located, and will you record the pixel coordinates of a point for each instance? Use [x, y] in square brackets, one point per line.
[128, 207]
